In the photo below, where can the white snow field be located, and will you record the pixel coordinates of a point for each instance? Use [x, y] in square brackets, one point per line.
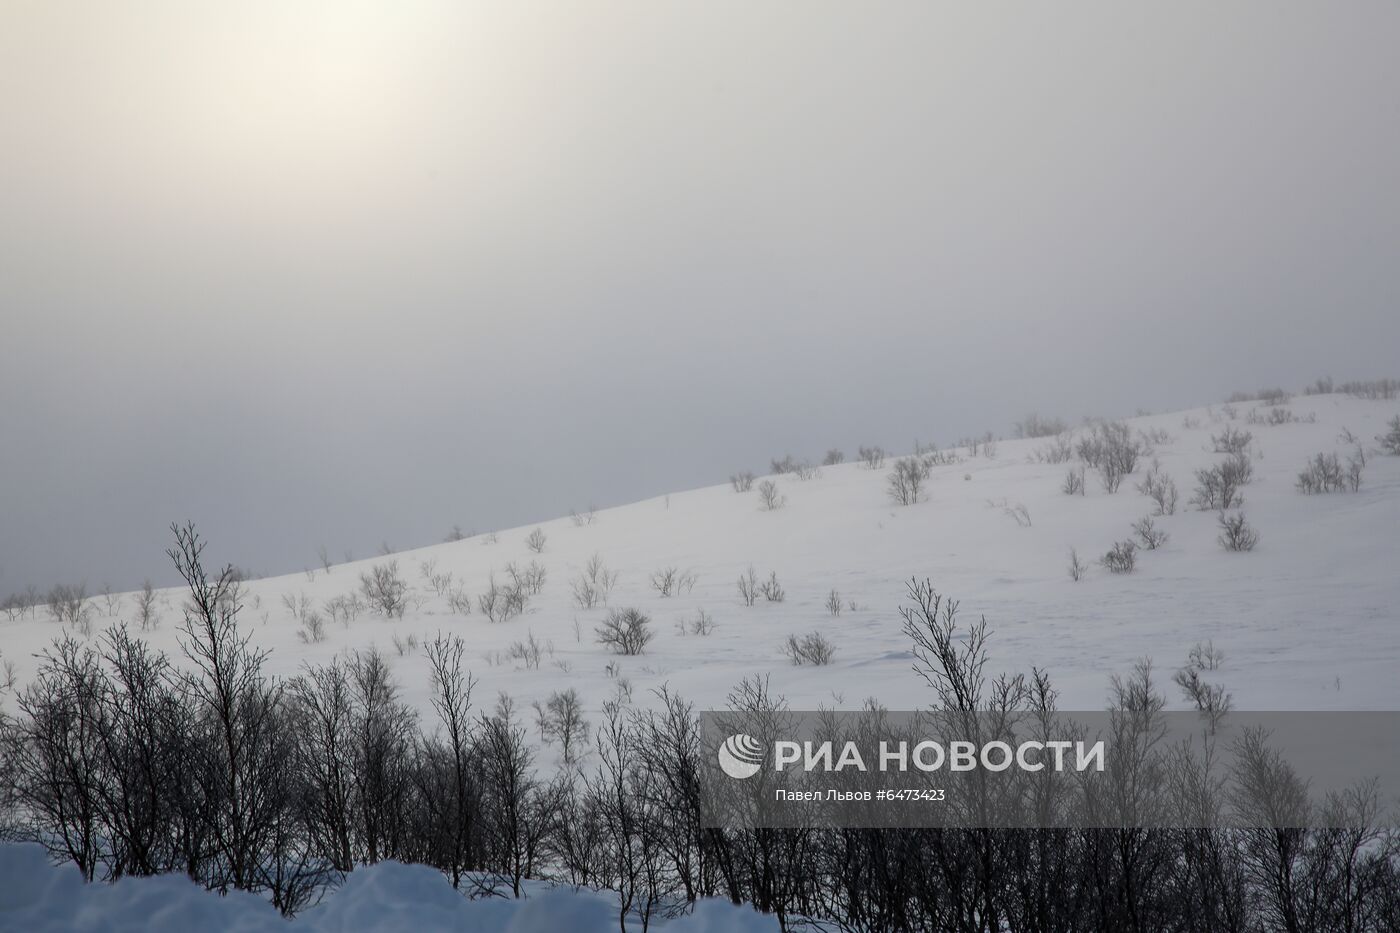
[39, 897]
[1310, 619]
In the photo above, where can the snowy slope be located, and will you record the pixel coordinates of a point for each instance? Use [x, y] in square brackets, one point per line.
[1308, 620]
[39, 897]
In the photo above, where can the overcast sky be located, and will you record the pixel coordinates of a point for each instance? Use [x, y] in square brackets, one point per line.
[346, 272]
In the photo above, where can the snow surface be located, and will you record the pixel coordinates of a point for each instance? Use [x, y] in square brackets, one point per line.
[38, 897]
[1308, 620]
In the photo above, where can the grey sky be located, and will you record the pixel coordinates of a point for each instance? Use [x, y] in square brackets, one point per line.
[342, 272]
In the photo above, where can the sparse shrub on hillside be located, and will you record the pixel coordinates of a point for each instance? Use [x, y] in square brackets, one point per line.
[769, 498]
[1036, 426]
[670, 581]
[1273, 417]
[625, 631]
[297, 605]
[1324, 473]
[1161, 489]
[833, 603]
[456, 534]
[595, 585]
[702, 624]
[1267, 396]
[1211, 700]
[1077, 569]
[528, 652]
[1205, 657]
[1018, 513]
[1374, 389]
[536, 541]
[459, 600]
[806, 471]
[1231, 441]
[872, 458]
[834, 457]
[788, 464]
[68, 605]
[1149, 534]
[1154, 437]
[1219, 487]
[1074, 481]
[1111, 449]
[528, 580]
[813, 649]
[748, 587]
[313, 628]
[905, 483]
[1121, 558]
[772, 590]
[1322, 386]
[384, 590]
[1390, 440]
[501, 602]
[742, 482]
[147, 617]
[1236, 534]
[1059, 449]
[1190, 422]
[585, 518]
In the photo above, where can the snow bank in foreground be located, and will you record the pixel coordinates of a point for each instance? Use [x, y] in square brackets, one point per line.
[38, 897]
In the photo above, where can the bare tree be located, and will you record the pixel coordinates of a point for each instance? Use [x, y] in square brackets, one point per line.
[146, 615]
[907, 480]
[536, 541]
[384, 590]
[625, 631]
[1036, 426]
[833, 457]
[1076, 568]
[1390, 440]
[561, 719]
[873, 458]
[1219, 487]
[748, 587]
[1121, 558]
[1236, 534]
[68, 605]
[324, 556]
[1149, 534]
[501, 603]
[670, 581]
[1074, 481]
[1161, 489]
[833, 603]
[769, 498]
[742, 482]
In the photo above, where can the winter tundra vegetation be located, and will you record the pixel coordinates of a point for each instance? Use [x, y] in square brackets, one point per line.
[520, 711]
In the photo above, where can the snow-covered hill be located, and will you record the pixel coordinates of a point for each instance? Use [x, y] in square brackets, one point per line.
[1310, 619]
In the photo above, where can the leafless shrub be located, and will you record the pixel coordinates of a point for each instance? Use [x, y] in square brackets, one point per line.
[1076, 568]
[297, 605]
[501, 602]
[1374, 389]
[907, 480]
[1212, 700]
[1219, 486]
[459, 601]
[1273, 417]
[585, 518]
[805, 471]
[324, 556]
[313, 628]
[670, 581]
[1190, 422]
[111, 602]
[1231, 441]
[528, 580]
[1074, 481]
[813, 649]
[1324, 473]
[1267, 396]
[147, 617]
[1059, 449]
[384, 590]
[873, 458]
[1036, 426]
[1110, 448]
[561, 720]
[68, 605]
[742, 482]
[702, 624]
[748, 587]
[788, 464]
[834, 457]
[1236, 534]
[833, 603]
[1322, 386]
[1019, 512]
[1205, 657]
[594, 586]
[535, 541]
[405, 645]
[1390, 440]
[769, 498]
[1154, 437]
[1149, 534]
[772, 590]
[528, 652]
[344, 609]
[1121, 558]
[1161, 489]
[456, 534]
[625, 631]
